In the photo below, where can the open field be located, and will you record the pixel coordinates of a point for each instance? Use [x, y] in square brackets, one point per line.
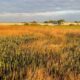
[39, 52]
[22, 30]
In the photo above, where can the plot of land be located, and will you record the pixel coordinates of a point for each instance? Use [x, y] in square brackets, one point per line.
[39, 52]
[23, 30]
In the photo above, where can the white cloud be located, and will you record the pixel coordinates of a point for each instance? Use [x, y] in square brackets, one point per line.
[48, 13]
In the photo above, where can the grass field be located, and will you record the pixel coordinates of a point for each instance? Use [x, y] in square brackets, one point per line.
[39, 52]
[23, 30]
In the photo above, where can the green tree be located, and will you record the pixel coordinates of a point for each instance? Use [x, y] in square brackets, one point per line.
[60, 21]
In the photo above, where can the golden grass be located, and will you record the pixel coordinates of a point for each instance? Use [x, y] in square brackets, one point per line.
[49, 39]
[39, 31]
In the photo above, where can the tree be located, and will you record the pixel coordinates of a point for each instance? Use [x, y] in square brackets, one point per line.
[60, 21]
[76, 21]
[45, 21]
[26, 23]
[34, 22]
[51, 21]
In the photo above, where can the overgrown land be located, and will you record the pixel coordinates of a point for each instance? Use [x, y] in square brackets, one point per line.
[39, 52]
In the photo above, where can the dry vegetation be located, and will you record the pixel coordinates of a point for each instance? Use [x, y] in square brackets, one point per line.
[39, 53]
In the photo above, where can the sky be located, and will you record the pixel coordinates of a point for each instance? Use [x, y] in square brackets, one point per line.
[39, 10]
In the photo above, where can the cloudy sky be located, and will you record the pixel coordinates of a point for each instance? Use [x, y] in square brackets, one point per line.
[29, 10]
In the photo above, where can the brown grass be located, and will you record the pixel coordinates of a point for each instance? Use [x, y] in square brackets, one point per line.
[49, 40]
[40, 31]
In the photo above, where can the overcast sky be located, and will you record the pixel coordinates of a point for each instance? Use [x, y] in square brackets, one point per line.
[29, 10]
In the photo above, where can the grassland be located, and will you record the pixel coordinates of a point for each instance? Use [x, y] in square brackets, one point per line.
[39, 52]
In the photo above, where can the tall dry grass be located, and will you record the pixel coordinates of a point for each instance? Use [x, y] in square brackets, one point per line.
[39, 53]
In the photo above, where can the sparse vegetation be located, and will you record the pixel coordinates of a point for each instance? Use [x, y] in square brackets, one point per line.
[59, 22]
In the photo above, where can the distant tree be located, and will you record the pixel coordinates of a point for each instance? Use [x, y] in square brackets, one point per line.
[34, 22]
[61, 21]
[55, 22]
[76, 21]
[45, 21]
[26, 23]
[51, 21]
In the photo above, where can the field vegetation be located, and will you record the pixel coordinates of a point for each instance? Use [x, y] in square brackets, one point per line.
[39, 52]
